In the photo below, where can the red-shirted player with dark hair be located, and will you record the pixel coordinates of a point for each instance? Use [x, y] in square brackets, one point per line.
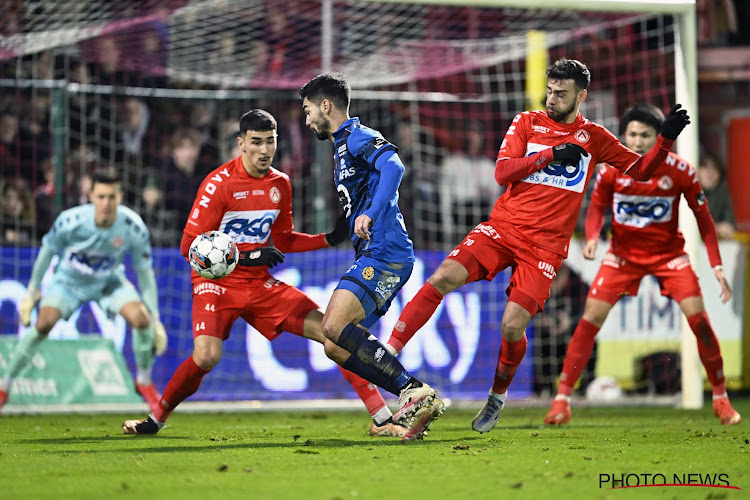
[546, 159]
[646, 240]
[251, 201]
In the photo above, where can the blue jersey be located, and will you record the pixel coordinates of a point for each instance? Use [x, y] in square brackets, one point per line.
[359, 155]
[89, 253]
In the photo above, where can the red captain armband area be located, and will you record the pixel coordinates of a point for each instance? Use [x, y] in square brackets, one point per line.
[509, 170]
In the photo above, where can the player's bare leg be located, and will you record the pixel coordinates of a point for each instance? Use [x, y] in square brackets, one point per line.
[513, 348]
[418, 403]
[577, 356]
[382, 419]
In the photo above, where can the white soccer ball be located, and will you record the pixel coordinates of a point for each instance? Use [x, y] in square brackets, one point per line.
[213, 255]
[603, 389]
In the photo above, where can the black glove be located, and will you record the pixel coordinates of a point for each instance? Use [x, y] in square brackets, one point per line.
[266, 256]
[340, 232]
[568, 153]
[677, 119]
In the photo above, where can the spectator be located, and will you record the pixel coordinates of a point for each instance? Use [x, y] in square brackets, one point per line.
[17, 213]
[44, 198]
[9, 145]
[711, 177]
[468, 188]
[162, 223]
[180, 174]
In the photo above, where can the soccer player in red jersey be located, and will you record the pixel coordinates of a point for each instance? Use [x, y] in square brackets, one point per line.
[546, 160]
[251, 201]
[646, 240]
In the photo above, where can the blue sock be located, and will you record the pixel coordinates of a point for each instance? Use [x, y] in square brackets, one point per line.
[372, 354]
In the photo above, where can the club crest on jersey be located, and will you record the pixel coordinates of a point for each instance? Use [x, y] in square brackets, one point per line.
[665, 182]
[368, 273]
[567, 177]
[274, 194]
[582, 136]
[118, 241]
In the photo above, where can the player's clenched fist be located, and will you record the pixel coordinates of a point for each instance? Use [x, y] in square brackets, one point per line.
[266, 256]
[27, 305]
[568, 153]
[677, 120]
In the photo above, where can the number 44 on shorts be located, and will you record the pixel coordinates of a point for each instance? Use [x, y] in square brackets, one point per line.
[200, 326]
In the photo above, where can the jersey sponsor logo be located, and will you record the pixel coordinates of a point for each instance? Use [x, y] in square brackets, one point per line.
[379, 142]
[248, 226]
[274, 194]
[241, 195]
[487, 230]
[342, 149]
[345, 173]
[259, 192]
[540, 129]
[210, 189]
[208, 287]
[613, 261]
[567, 177]
[640, 211]
[547, 269]
[625, 181]
[665, 182]
[582, 136]
[679, 263]
[90, 263]
[368, 273]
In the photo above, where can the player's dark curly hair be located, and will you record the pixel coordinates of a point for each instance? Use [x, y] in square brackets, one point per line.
[644, 113]
[105, 176]
[258, 120]
[331, 86]
[570, 69]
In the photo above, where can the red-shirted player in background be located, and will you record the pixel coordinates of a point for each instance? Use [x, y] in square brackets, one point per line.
[546, 159]
[646, 240]
[252, 201]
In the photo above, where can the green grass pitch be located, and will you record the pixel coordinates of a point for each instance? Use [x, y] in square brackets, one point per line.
[327, 455]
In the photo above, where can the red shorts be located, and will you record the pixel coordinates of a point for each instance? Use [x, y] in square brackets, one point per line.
[618, 277]
[269, 305]
[486, 251]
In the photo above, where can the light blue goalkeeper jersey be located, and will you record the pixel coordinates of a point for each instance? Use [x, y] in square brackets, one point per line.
[89, 253]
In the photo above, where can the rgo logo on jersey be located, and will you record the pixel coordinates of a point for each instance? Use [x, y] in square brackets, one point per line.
[91, 263]
[250, 226]
[568, 177]
[640, 211]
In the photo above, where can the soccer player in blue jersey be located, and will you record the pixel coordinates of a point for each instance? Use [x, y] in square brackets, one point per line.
[92, 241]
[367, 174]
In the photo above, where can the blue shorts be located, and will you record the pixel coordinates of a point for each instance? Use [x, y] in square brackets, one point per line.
[375, 283]
[66, 295]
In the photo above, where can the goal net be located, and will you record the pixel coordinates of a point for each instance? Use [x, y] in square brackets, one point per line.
[155, 89]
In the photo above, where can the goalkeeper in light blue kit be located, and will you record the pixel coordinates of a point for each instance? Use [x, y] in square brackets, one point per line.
[367, 174]
[92, 241]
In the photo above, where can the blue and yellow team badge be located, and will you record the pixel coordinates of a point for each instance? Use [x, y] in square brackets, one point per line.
[368, 273]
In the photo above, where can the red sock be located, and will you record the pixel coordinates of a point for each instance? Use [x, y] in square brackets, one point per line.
[511, 354]
[577, 356]
[367, 392]
[183, 384]
[415, 314]
[709, 351]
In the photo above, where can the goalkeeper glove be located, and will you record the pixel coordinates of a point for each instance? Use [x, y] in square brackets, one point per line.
[568, 153]
[27, 305]
[339, 233]
[266, 256]
[160, 338]
[677, 119]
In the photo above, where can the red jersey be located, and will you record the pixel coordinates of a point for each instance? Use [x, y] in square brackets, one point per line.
[250, 209]
[645, 214]
[543, 197]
